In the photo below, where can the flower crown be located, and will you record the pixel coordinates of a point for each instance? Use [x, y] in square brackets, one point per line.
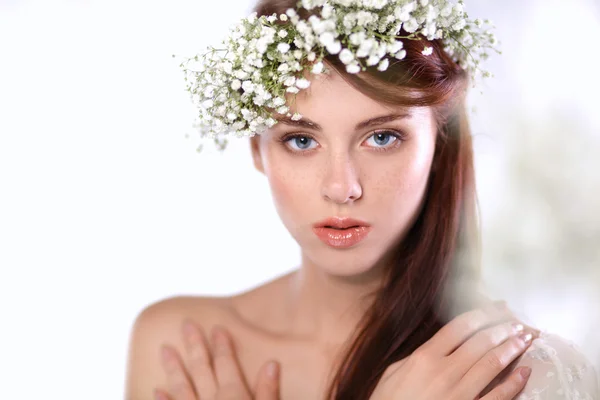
[238, 87]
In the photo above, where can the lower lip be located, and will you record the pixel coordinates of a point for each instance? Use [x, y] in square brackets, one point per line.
[342, 238]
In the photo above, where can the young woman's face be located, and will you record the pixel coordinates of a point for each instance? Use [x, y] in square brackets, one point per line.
[340, 165]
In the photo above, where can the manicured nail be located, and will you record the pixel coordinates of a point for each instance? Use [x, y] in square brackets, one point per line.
[526, 337]
[272, 370]
[525, 372]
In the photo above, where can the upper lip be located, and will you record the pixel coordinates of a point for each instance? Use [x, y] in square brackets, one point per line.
[340, 223]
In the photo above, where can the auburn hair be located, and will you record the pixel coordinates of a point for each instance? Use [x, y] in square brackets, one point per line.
[435, 271]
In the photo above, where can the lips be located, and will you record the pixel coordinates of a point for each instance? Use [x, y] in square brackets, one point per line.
[340, 223]
[341, 232]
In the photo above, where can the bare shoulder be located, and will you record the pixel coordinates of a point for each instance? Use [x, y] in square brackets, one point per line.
[158, 324]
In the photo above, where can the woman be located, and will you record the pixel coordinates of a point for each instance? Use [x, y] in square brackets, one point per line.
[371, 170]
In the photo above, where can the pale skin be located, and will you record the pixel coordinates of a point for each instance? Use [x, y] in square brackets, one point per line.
[344, 167]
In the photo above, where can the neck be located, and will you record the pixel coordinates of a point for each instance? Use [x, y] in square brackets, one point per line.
[327, 308]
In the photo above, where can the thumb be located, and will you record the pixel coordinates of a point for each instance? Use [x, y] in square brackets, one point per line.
[267, 384]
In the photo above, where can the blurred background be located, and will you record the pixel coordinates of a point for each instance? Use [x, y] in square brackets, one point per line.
[106, 207]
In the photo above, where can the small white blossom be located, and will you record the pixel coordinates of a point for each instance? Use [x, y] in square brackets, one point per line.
[401, 54]
[283, 48]
[317, 68]
[296, 117]
[383, 65]
[427, 51]
[334, 47]
[302, 83]
[346, 56]
[353, 68]
[236, 84]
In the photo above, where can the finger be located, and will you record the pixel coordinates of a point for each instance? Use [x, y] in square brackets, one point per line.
[479, 344]
[226, 367]
[267, 384]
[199, 361]
[180, 387]
[508, 389]
[457, 331]
[492, 364]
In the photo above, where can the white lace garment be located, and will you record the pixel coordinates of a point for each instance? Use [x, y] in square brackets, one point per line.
[559, 371]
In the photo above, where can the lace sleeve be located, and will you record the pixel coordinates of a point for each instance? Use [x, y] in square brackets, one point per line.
[559, 371]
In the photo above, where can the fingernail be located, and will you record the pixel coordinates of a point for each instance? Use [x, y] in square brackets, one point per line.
[525, 372]
[526, 337]
[518, 328]
[272, 370]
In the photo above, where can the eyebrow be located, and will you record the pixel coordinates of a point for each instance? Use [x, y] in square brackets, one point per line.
[307, 123]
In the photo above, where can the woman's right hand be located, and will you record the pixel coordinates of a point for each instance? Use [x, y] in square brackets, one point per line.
[461, 360]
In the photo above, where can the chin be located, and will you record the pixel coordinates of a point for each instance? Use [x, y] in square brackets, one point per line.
[359, 262]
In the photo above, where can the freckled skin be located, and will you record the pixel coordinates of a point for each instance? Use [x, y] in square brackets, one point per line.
[345, 175]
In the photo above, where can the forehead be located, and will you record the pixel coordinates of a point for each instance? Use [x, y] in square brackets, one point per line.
[330, 100]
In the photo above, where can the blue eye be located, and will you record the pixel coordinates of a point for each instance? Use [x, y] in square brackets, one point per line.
[384, 138]
[299, 143]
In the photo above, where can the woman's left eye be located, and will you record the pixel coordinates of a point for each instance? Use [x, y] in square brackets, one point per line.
[384, 139]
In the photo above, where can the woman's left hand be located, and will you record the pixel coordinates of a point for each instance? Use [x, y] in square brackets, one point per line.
[212, 372]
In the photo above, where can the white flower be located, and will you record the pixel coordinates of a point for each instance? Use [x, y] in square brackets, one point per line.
[283, 48]
[353, 68]
[282, 33]
[292, 89]
[283, 68]
[383, 65]
[372, 60]
[334, 47]
[326, 38]
[302, 83]
[248, 86]
[427, 51]
[401, 54]
[289, 81]
[236, 84]
[296, 117]
[411, 25]
[346, 56]
[317, 68]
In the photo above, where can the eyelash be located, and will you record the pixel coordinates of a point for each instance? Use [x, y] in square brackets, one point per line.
[400, 137]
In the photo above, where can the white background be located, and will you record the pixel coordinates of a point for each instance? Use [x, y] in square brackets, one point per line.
[105, 207]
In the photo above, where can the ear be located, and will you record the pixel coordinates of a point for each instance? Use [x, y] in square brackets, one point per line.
[256, 154]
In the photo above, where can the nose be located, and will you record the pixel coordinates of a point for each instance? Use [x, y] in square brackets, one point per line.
[340, 183]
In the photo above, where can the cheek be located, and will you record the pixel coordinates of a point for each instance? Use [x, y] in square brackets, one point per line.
[401, 188]
[289, 188]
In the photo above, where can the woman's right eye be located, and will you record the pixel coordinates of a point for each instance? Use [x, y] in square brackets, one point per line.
[299, 142]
